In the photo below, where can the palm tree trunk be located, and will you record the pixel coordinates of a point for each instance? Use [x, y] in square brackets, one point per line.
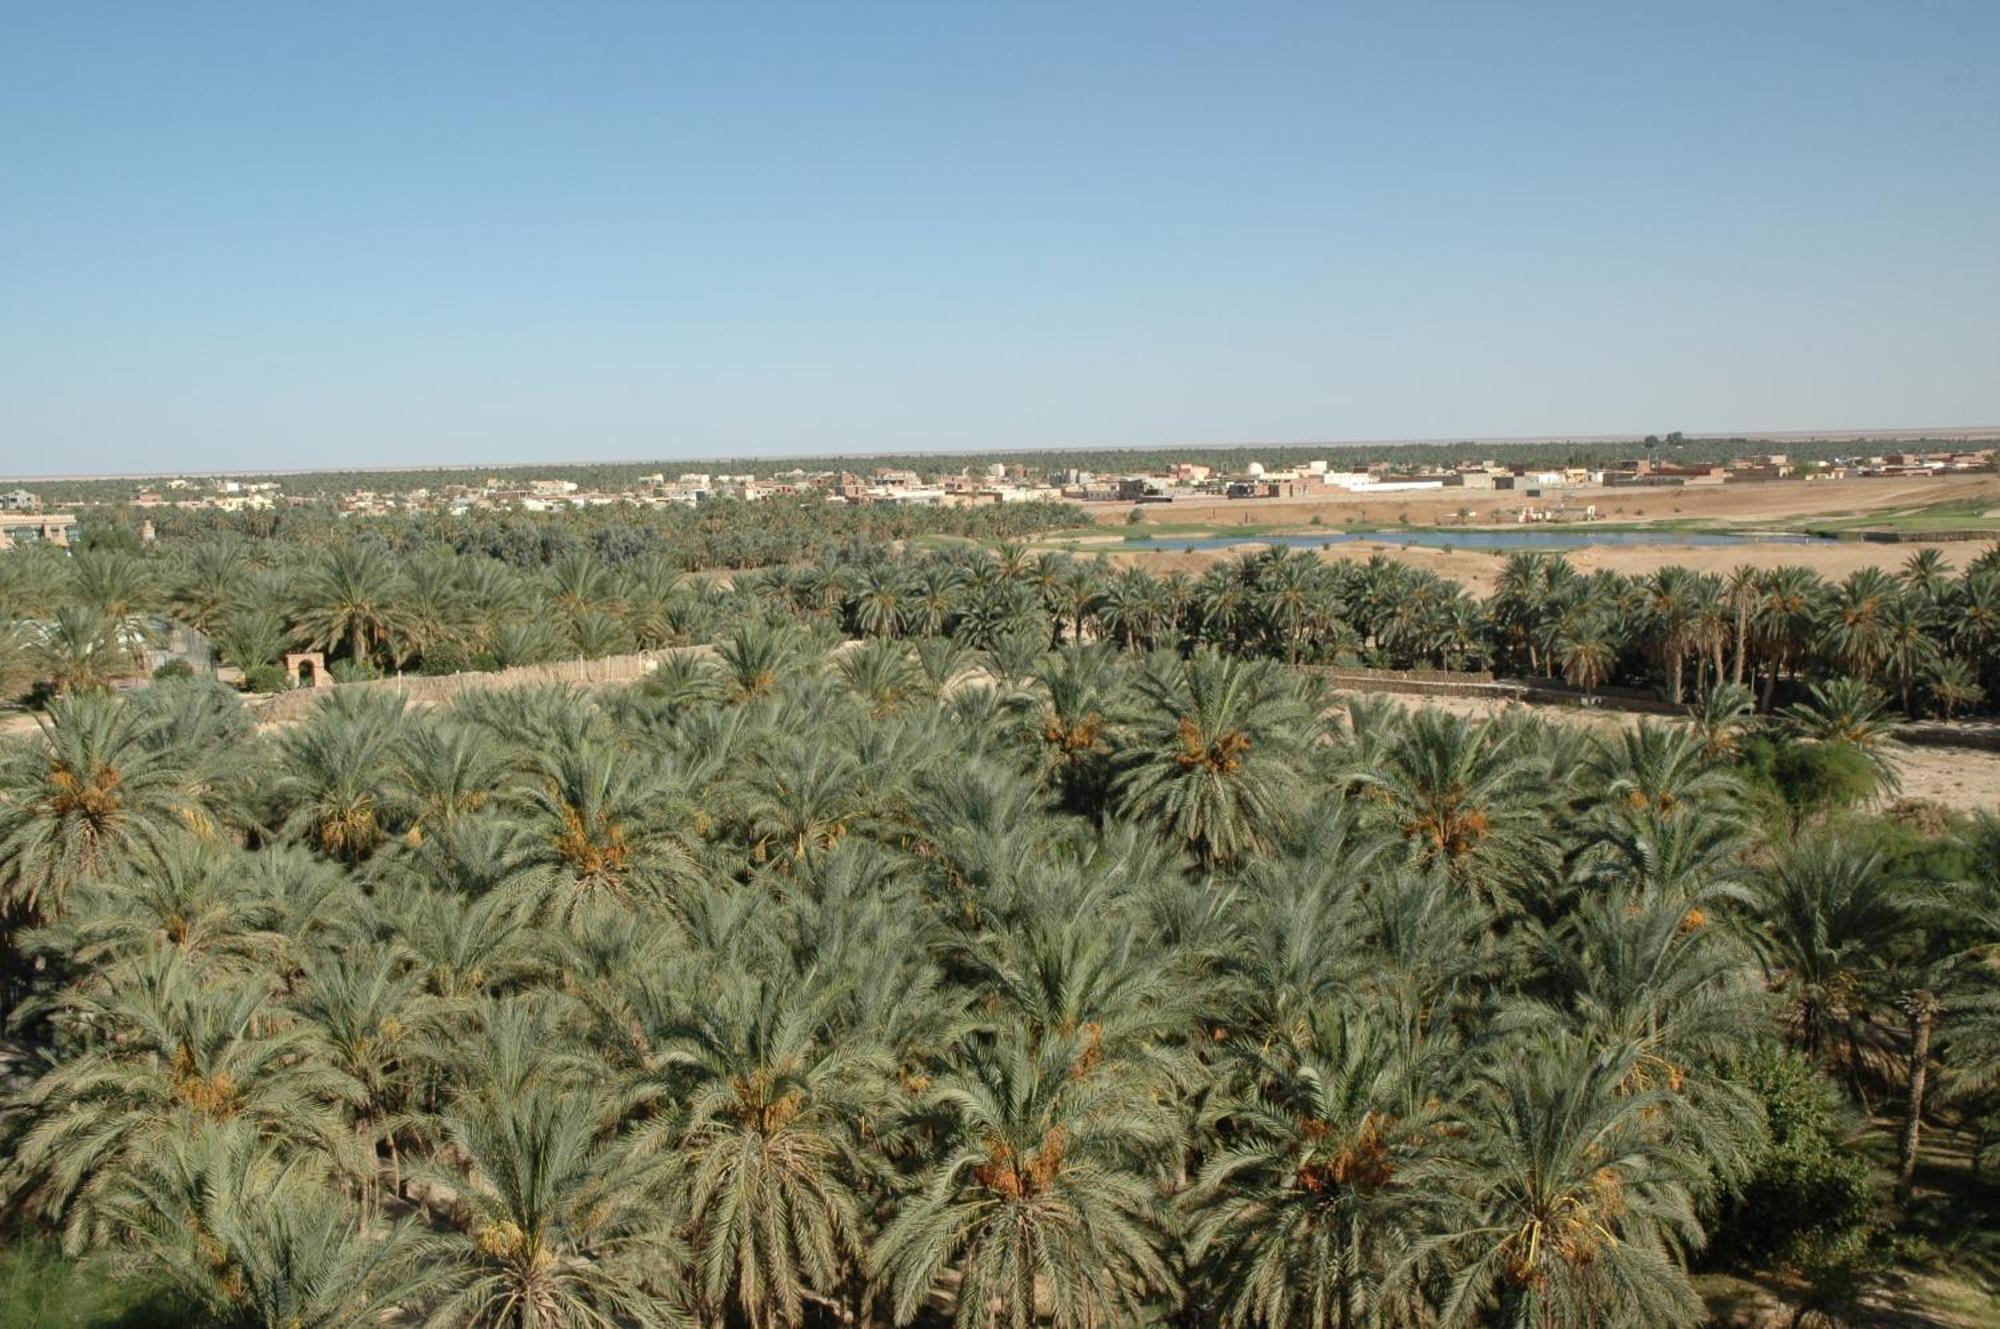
[357, 638]
[1921, 1008]
[1742, 643]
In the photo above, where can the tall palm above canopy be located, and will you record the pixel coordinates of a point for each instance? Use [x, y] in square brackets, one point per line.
[1674, 603]
[1785, 620]
[351, 598]
[1855, 622]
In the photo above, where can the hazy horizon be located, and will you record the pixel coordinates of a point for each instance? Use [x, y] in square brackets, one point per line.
[241, 238]
[1979, 433]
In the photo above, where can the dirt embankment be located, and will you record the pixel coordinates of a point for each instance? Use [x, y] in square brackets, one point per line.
[1963, 779]
[1479, 569]
[1741, 504]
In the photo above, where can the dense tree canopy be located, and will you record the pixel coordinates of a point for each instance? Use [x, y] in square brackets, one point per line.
[913, 981]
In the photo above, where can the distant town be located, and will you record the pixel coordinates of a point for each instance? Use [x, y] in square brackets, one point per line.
[24, 515]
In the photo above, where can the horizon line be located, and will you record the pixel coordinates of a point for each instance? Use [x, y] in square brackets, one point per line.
[1963, 433]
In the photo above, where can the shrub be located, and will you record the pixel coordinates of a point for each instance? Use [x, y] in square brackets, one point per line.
[1806, 779]
[1808, 1203]
[266, 678]
[173, 669]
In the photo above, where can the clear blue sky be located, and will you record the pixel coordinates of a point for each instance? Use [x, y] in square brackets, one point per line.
[293, 234]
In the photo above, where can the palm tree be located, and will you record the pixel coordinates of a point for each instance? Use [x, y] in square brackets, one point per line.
[882, 676]
[80, 650]
[1661, 770]
[368, 1014]
[85, 798]
[1576, 1209]
[166, 1051]
[335, 789]
[252, 640]
[1212, 755]
[1287, 599]
[1849, 711]
[1927, 574]
[1069, 722]
[257, 1240]
[606, 830]
[208, 582]
[803, 796]
[1854, 629]
[1785, 620]
[755, 655]
[189, 894]
[880, 600]
[1674, 604]
[352, 597]
[1719, 718]
[1037, 1208]
[1953, 685]
[933, 598]
[561, 1224]
[1742, 592]
[1462, 795]
[1908, 652]
[1832, 917]
[772, 1095]
[1586, 650]
[120, 588]
[1335, 1151]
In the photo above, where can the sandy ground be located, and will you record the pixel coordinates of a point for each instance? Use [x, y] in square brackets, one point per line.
[1478, 569]
[1735, 504]
[1963, 779]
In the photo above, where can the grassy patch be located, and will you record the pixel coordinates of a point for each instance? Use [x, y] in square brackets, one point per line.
[39, 1289]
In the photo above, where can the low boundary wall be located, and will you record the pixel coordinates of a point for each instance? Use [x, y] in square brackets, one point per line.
[1452, 683]
[432, 689]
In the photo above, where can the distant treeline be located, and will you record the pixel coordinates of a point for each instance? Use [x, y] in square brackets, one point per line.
[616, 476]
[720, 534]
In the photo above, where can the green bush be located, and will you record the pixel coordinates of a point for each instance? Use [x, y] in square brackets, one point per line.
[39, 1289]
[1805, 779]
[446, 658]
[1808, 1203]
[266, 678]
[173, 669]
